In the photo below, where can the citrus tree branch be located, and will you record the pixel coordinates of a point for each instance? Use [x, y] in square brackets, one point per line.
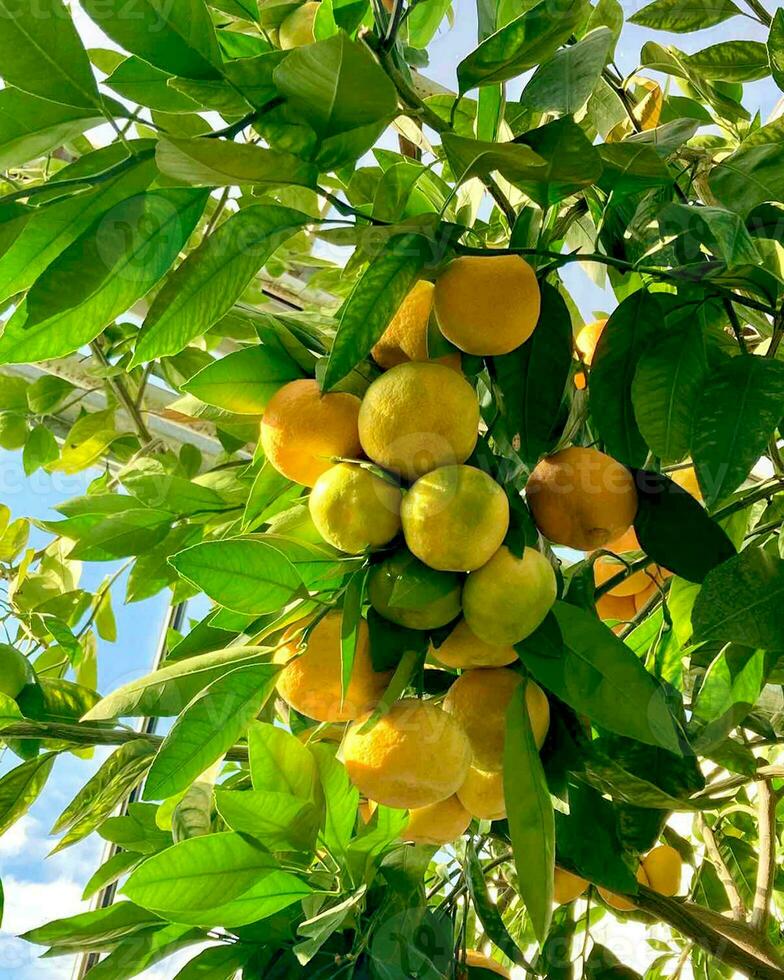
[714, 854]
[766, 861]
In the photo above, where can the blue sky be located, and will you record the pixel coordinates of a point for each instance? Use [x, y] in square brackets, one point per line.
[38, 889]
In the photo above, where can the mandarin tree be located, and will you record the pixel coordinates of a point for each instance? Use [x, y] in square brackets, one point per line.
[486, 673]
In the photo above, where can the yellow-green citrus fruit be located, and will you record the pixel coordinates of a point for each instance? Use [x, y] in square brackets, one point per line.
[507, 598]
[13, 430]
[297, 28]
[478, 700]
[581, 498]
[587, 339]
[687, 480]
[302, 429]
[405, 591]
[662, 868]
[15, 671]
[455, 518]
[487, 305]
[405, 338]
[311, 682]
[620, 902]
[567, 886]
[478, 961]
[463, 649]
[355, 510]
[440, 823]
[419, 416]
[482, 794]
[414, 755]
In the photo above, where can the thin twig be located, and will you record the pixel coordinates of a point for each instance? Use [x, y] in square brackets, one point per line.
[712, 849]
[118, 387]
[766, 861]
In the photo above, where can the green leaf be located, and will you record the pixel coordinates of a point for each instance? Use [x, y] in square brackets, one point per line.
[750, 176]
[9, 711]
[247, 576]
[217, 163]
[683, 16]
[667, 385]
[572, 162]
[532, 380]
[142, 83]
[350, 624]
[279, 821]
[336, 85]
[111, 870]
[476, 158]
[630, 167]
[216, 963]
[244, 380]
[341, 796]
[166, 691]
[40, 449]
[221, 879]
[132, 532]
[20, 788]
[486, 909]
[740, 602]
[776, 48]
[740, 407]
[135, 954]
[31, 127]
[565, 82]
[101, 275]
[42, 54]
[731, 61]
[732, 684]
[50, 229]
[524, 43]
[723, 232]
[137, 830]
[211, 279]
[278, 760]
[675, 531]
[97, 929]
[208, 727]
[530, 816]
[373, 302]
[178, 38]
[599, 676]
[627, 333]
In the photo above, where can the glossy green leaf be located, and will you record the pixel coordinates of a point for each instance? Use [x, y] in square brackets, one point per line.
[208, 283]
[740, 407]
[750, 176]
[623, 340]
[166, 691]
[132, 532]
[220, 879]
[572, 162]
[40, 449]
[530, 816]
[20, 788]
[487, 911]
[177, 38]
[30, 126]
[279, 821]
[216, 962]
[243, 575]
[525, 42]
[600, 677]
[243, 381]
[776, 48]
[564, 83]
[208, 727]
[682, 16]
[101, 275]
[340, 795]
[42, 54]
[217, 163]
[732, 61]
[142, 83]
[740, 602]
[373, 302]
[675, 530]
[98, 928]
[336, 85]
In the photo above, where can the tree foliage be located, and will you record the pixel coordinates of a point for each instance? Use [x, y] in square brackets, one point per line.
[233, 171]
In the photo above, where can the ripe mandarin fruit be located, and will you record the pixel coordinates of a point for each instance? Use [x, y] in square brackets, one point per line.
[478, 700]
[455, 518]
[439, 823]
[478, 961]
[621, 608]
[581, 498]
[414, 755]
[487, 305]
[587, 338]
[508, 597]
[418, 416]
[405, 338]
[405, 591]
[311, 682]
[662, 867]
[620, 902]
[15, 671]
[567, 886]
[355, 510]
[297, 28]
[482, 794]
[642, 599]
[301, 429]
[463, 648]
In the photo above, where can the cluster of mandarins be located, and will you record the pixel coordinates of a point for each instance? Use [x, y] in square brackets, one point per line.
[389, 474]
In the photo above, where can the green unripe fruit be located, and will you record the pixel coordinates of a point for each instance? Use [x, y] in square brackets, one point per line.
[15, 671]
[405, 591]
[13, 431]
[355, 510]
